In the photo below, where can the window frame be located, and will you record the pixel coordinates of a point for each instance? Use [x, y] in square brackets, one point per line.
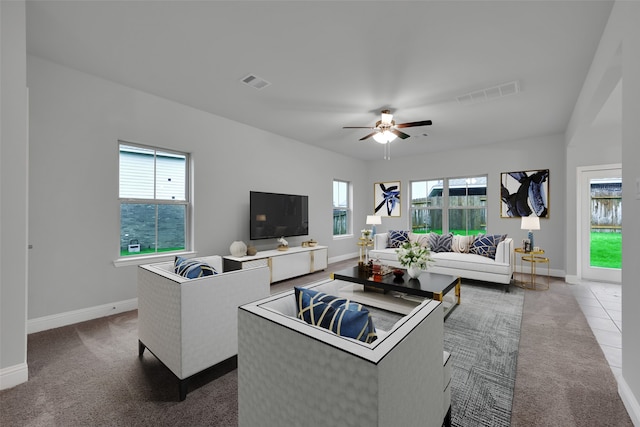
[445, 207]
[347, 209]
[466, 207]
[187, 203]
[413, 209]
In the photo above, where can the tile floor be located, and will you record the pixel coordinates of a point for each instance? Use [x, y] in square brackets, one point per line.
[601, 304]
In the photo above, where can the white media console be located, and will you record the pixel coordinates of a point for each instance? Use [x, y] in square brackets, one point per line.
[296, 261]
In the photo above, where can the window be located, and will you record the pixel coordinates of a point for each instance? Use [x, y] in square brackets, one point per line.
[426, 206]
[467, 205]
[154, 200]
[341, 208]
[464, 198]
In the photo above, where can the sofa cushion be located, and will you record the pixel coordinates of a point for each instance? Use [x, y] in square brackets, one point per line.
[486, 244]
[191, 268]
[339, 315]
[462, 244]
[397, 238]
[440, 243]
[468, 262]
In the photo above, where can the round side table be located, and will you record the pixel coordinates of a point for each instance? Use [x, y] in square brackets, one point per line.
[533, 258]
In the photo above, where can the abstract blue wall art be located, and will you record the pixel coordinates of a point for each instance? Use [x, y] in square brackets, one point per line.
[524, 193]
[386, 198]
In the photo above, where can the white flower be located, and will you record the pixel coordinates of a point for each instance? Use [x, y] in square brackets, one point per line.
[283, 242]
[412, 254]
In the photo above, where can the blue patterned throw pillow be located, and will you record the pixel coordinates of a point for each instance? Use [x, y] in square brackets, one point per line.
[191, 268]
[440, 243]
[397, 238]
[486, 244]
[339, 315]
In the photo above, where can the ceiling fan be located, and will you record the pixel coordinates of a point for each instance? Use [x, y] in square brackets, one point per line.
[386, 130]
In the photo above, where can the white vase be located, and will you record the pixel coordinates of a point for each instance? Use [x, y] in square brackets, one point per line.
[414, 272]
[238, 249]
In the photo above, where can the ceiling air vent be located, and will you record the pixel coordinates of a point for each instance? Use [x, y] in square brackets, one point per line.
[255, 81]
[490, 93]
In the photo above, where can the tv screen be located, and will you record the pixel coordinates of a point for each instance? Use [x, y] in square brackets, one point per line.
[275, 215]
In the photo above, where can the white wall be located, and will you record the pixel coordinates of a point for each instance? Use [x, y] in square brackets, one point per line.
[617, 55]
[630, 388]
[13, 191]
[491, 160]
[76, 122]
[601, 146]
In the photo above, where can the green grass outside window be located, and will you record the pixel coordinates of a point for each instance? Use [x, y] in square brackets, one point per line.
[606, 250]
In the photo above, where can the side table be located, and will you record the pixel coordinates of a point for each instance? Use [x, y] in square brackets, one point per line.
[533, 258]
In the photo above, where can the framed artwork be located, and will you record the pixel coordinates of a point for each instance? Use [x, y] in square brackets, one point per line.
[524, 193]
[386, 198]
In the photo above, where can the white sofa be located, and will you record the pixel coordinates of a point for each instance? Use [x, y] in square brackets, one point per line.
[191, 324]
[465, 265]
[291, 373]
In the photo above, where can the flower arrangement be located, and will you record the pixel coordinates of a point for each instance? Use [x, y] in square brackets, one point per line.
[366, 233]
[412, 254]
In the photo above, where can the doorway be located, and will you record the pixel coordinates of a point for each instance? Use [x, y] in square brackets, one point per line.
[600, 225]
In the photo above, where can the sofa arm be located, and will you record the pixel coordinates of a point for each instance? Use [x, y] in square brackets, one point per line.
[504, 251]
[380, 241]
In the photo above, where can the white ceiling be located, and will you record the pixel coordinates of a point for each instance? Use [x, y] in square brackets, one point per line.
[334, 64]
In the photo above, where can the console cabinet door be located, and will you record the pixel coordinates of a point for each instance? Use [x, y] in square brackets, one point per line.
[319, 259]
[290, 265]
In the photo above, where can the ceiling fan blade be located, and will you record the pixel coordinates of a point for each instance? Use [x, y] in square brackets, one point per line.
[368, 136]
[399, 133]
[357, 127]
[412, 124]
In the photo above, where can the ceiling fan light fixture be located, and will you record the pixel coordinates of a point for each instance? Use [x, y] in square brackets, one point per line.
[384, 137]
[387, 117]
[380, 139]
[390, 135]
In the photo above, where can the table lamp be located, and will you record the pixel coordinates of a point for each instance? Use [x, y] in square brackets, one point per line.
[530, 223]
[373, 220]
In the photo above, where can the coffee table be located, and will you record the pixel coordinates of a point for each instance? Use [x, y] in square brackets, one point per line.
[428, 285]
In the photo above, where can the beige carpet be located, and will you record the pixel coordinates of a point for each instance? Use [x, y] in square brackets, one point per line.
[563, 378]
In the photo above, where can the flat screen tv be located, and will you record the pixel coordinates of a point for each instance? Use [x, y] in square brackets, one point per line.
[275, 215]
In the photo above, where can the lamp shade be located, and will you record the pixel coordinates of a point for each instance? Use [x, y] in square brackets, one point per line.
[530, 223]
[374, 220]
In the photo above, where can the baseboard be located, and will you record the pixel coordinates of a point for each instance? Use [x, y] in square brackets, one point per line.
[343, 257]
[572, 279]
[13, 375]
[542, 271]
[76, 316]
[629, 400]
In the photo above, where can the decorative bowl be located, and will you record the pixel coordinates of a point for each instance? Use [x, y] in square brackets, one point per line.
[398, 274]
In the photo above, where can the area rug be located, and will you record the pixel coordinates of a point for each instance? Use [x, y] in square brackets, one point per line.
[482, 335]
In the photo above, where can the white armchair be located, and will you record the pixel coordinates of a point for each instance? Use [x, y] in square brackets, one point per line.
[291, 373]
[192, 324]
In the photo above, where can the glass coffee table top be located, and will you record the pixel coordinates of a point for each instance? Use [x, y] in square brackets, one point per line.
[428, 285]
